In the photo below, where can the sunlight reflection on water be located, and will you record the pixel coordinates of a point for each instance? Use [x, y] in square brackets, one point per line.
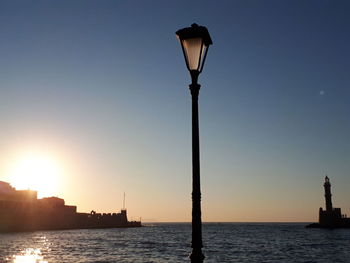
[30, 255]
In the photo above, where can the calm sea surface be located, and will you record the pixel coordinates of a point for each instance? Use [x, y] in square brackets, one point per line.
[224, 242]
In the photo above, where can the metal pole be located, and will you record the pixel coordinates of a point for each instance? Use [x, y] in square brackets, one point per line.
[196, 255]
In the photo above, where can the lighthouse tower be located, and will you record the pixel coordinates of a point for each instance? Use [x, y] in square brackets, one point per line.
[331, 217]
[328, 195]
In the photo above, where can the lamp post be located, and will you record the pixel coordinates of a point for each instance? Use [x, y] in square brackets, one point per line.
[195, 41]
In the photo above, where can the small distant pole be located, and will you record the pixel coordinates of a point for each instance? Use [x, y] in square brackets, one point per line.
[124, 202]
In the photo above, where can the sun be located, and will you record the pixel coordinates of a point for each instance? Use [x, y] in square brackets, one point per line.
[35, 172]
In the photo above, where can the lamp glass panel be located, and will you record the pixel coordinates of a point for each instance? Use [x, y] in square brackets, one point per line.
[192, 47]
[204, 51]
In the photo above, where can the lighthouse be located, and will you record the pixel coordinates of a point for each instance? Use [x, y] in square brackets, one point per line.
[328, 194]
[330, 217]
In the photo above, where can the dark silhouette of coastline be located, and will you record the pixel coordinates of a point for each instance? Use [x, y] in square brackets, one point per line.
[331, 217]
[21, 210]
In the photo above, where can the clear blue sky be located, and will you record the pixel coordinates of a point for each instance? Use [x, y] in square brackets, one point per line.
[101, 86]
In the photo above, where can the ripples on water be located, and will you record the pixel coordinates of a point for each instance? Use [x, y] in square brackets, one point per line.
[244, 243]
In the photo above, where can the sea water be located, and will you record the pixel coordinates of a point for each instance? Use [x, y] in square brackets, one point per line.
[223, 242]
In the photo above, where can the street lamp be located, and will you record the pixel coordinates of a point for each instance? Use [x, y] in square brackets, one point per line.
[195, 41]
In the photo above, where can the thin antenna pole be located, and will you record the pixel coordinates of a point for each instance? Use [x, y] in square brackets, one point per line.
[124, 202]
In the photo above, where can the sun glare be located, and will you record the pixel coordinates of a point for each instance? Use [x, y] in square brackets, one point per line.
[35, 172]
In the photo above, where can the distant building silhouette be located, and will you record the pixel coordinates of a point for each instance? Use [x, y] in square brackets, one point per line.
[21, 210]
[331, 217]
[7, 192]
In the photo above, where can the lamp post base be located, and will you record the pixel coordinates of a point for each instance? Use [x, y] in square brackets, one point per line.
[197, 256]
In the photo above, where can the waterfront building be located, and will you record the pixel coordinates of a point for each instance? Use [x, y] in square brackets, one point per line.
[21, 210]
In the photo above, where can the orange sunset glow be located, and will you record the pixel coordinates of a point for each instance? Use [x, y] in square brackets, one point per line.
[35, 171]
